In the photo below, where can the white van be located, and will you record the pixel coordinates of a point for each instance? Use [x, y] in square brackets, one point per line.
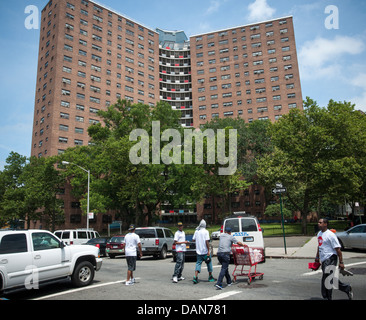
[245, 228]
[77, 236]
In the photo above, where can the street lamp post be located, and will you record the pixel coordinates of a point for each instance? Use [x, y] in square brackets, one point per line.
[87, 208]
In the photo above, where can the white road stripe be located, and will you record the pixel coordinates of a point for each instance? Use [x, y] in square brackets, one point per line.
[82, 289]
[223, 295]
[312, 273]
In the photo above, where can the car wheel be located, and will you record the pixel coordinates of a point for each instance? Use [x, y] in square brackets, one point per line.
[83, 274]
[112, 256]
[163, 253]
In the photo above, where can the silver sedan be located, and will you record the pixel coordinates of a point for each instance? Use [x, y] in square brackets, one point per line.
[353, 238]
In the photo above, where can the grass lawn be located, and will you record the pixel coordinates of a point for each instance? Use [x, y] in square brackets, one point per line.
[275, 229]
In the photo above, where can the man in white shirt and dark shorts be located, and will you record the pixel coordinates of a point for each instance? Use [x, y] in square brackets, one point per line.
[132, 242]
[329, 250]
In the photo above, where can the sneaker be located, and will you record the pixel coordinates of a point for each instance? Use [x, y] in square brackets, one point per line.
[175, 279]
[350, 293]
[218, 287]
[195, 280]
[230, 284]
[211, 279]
[133, 280]
[181, 278]
[129, 283]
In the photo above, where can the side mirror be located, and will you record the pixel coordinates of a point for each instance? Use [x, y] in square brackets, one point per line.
[62, 245]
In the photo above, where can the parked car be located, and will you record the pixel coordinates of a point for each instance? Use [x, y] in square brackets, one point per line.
[190, 248]
[156, 241]
[29, 258]
[100, 243]
[246, 229]
[216, 234]
[77, 236]
[116, 246]
[353, 238]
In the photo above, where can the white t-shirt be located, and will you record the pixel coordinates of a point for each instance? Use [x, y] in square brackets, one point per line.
[328, 242]
[131, 241]
[201, 236]
[180, 236]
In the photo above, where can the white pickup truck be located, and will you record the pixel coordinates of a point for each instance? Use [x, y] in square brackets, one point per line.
[29, 258]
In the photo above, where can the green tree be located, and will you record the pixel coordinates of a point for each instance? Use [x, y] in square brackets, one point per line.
[135, 191]
[12, 194]
[274, 210]
[318, 153]
[41, 183]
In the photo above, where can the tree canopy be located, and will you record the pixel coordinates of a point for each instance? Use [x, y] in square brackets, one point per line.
[319, 153]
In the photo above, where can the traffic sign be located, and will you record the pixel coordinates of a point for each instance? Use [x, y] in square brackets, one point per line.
[279, 190]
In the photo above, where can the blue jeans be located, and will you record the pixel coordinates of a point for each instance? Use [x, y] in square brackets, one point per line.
[224, 259]
[179, 264]
[200, 259]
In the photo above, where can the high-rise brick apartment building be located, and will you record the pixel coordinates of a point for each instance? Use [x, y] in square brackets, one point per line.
[91, 55]
[249, 71]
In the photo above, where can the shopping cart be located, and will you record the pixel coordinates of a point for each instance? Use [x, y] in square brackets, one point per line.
[247, 257]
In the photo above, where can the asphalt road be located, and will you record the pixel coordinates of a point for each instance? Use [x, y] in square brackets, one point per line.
[284, 279]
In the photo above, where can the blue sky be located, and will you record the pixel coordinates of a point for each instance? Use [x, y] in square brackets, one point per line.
[331, 55]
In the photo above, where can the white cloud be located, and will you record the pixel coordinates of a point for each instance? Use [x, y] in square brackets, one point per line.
[215, 6]
[306, 8]
[322, 57]
[360, 102]
[360, 82]
[259, 10]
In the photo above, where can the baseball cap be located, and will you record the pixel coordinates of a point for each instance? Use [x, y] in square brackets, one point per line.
[227, 229]
[131, 227]
[180, 224]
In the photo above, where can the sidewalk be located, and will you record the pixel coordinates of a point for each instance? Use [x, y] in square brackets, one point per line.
[307, 251]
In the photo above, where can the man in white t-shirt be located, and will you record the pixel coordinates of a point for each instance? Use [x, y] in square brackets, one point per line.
[132, 242]
[202, 239]
[329, 250]
[180, 248]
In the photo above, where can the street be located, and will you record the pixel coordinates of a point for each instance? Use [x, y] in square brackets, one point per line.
[284, 279]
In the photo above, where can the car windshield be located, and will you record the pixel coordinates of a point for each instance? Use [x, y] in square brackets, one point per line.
[233, 224]
[146, 233]
[247, 224]
[95, 240]
[117, 239]
[98, 240]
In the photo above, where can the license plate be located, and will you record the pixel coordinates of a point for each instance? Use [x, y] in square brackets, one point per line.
[115, 247]
[143, 249]
[187, 246]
